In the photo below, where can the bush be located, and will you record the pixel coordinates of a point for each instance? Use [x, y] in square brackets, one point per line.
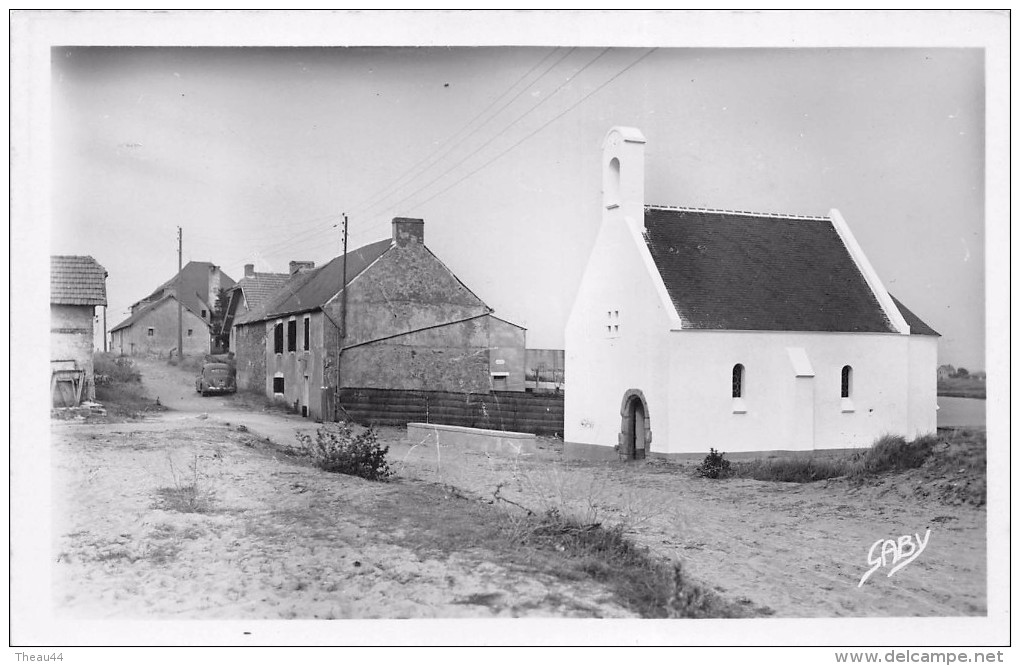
[335, 448]
[112, 369]
[892, 453]
[715, 466]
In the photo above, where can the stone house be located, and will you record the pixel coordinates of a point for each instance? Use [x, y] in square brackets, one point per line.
[152, 326]
[250, 292]
[389, 315]
[695, 329]
[77, 286]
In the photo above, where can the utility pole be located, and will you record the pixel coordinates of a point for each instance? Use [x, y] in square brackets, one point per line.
[342, 333]
[343, 296]
[180, 291]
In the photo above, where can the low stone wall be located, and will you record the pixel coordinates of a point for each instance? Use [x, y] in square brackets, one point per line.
[498, 410]
[477, 439]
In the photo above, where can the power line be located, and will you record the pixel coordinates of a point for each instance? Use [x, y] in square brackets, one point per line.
[502, 131]
[539, 129]
[435, 157]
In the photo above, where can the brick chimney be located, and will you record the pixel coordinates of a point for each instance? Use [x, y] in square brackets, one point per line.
[408, 231]
[296, 266]
[249, 270]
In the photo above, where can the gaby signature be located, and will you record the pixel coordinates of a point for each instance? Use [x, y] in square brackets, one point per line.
[898, 552]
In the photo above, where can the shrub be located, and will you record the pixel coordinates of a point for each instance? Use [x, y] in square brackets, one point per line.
[892, 453]
[715, 466]
[112, 369]
[335, 448]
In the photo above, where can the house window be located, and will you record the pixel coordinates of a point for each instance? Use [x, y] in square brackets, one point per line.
[190, 331]
[292, 335]
[278, 385]
[151, 332]
[308, 323]
[278, 339]
[846, 381]
[738, 381]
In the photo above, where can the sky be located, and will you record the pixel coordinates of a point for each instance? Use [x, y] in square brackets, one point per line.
[256, 152]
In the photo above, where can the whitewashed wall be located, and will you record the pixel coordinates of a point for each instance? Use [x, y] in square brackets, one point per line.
[601, 365]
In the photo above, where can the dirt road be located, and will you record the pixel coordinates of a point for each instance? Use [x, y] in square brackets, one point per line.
[284, 538]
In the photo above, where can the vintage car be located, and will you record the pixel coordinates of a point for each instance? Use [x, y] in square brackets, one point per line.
[216, 378]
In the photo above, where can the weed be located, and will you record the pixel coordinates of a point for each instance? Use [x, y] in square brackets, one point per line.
[714, 466]
[335, 448]
[185, 495]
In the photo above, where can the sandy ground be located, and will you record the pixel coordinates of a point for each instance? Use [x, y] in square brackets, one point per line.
[281, 540]
[799, 549]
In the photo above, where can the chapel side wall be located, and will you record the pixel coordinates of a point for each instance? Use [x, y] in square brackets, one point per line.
[702, 411]
[923, 388]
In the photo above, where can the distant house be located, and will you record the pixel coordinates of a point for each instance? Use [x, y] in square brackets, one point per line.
[251, 291]
[389, 315]
[695, 329]
[946, 371]
[152, 326]
[77, 286]
[544, 370]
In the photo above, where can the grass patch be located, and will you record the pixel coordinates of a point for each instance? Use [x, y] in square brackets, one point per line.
[889, 454]
[651, 587]
[184, 499]
[789, 470]
[962, 387]
[119, 388]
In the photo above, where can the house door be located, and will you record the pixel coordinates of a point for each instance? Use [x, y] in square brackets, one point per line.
[637, 429]
[635, 433]
[304, 397]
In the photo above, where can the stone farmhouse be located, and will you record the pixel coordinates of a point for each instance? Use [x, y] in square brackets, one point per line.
[389, 315]
[152, 326]
[77, 286]
[251, 291]
[739, 331]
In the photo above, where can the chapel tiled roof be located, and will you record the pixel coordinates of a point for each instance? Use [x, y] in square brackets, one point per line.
[77, 280]
[310, 290]
[743, 271]
[917, 326]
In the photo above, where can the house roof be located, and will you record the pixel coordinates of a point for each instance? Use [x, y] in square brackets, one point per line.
[76, 280]
[917, 326]
[259, 287]
[141, 312]
[745, 271]
[310, 290]
[195, 287]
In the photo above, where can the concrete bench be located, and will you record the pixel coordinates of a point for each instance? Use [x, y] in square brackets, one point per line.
[476, 439]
